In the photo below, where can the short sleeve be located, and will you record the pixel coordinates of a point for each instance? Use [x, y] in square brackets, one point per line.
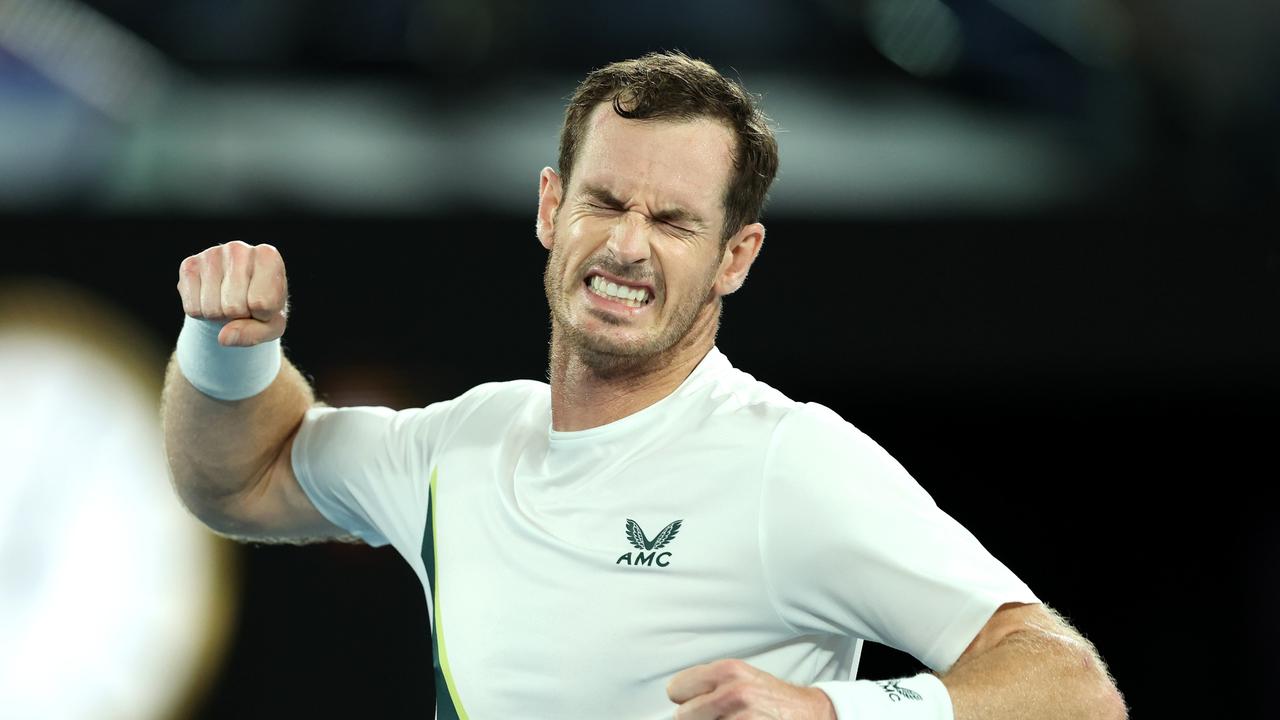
[367, 469]
[853, 545]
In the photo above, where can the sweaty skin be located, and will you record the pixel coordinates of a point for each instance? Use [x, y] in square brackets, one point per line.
[645, 206]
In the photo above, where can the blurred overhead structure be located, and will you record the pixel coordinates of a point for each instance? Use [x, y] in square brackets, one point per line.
[411, 106]
[1093, 32]
[923, 37]
[101, 64]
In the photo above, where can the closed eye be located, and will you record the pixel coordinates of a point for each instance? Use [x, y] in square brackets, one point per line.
[677, 228]
[606, 207]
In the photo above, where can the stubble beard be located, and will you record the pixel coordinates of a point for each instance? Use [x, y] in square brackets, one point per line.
[602, 355]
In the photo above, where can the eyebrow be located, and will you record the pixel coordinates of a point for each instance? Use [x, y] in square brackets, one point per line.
[671, 214]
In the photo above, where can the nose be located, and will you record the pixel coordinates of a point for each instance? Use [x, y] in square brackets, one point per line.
[629, 239]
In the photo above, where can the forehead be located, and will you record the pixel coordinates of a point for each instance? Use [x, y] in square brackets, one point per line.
[685, 162]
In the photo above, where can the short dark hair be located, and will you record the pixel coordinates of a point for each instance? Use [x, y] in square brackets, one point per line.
[671, 85]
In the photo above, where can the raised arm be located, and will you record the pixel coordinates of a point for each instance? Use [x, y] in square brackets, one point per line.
[230, 457]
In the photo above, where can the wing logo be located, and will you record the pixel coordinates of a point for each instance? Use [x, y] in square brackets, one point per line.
[897, 693]
[648, 554]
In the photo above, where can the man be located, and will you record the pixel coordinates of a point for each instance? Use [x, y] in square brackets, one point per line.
[654, 532]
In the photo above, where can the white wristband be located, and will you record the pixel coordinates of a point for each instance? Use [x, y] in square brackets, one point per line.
[224, 373]
[922, 697]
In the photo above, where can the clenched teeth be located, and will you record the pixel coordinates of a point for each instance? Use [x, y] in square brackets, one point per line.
[629, 296]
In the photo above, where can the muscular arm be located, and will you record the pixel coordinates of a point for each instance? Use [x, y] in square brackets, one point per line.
[230, 460]
[1028, 662]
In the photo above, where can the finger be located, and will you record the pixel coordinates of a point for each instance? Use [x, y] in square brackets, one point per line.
[211, 284]
[690, 683]
[237, 267]
[247, 331]
[266, 300]
[268, 288]
[726, 701]
[699, 708]
[189, 285]
[702, 679]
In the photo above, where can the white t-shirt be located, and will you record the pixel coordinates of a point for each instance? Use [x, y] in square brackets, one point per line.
[572, 574]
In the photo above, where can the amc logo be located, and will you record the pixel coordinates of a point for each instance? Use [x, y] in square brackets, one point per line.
[648, 549]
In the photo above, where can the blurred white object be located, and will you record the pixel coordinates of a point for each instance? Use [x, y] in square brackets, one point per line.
[111, 596]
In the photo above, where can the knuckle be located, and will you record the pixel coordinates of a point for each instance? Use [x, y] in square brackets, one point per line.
[260, 303]
[190, 266]
[210, 262]
[267, 252]
[734, 697]
[732, 668]
[237, 252]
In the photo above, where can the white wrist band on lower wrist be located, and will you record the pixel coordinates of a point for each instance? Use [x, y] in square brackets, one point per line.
[224, 373]
[922, 697]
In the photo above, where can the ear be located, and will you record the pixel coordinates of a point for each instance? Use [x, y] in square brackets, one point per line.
[548, 202]
[739, 253]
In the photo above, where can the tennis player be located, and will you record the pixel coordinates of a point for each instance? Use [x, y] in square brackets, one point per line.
[653, 532]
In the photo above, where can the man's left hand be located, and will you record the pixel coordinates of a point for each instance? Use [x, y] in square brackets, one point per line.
[733, 690]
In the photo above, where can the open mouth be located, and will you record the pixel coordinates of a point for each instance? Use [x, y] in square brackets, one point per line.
[628, 295]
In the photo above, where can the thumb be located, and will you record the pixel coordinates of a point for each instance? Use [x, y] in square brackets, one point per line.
[247, 332]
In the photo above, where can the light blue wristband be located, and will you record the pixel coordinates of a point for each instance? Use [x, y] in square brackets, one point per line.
[922, 697]
[224, 373]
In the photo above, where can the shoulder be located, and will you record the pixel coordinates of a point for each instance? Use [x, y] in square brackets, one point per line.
[792, 422]
[813, 446]
[483, 402]
[813, 425]
[492, 400]
[737, 404]
[817, 423]
[503, 393]
[734, 393]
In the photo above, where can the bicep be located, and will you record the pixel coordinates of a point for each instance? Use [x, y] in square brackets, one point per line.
[1008, 619]
[275, 507]
[1035, 618]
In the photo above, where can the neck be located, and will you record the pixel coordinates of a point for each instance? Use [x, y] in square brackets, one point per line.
[583, 397]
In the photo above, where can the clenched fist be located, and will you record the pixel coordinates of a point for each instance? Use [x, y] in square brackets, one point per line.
[244, 284]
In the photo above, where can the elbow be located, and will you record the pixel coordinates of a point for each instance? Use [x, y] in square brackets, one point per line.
[1113, 706]
[212, 512]
[214, 507]
[1107, 701]
[1098, 693]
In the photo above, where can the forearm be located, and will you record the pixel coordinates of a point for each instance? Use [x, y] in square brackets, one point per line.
[219, 448]
[1035, 674]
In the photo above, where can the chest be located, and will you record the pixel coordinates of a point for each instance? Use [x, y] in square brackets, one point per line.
[586, 584]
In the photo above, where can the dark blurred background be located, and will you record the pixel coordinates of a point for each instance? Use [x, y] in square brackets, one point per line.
[1027, 245]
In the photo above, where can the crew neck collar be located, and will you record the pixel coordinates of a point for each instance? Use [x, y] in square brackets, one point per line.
[711, 365]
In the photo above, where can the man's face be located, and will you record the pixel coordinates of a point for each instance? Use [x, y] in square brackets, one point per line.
[635, 239]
